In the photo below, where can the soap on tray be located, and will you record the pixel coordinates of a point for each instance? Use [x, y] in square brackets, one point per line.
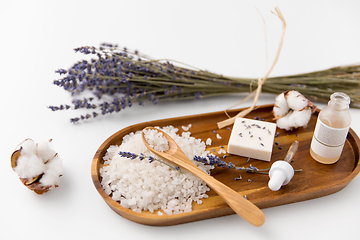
[252, 138]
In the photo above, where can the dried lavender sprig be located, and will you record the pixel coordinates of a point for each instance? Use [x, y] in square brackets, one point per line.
[141, 157]
[210, 159]
[216, 161]
[130, 77]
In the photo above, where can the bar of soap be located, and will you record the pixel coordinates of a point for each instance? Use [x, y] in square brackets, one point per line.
[252, 138]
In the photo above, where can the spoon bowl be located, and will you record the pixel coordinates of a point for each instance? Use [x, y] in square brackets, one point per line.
[244, 208]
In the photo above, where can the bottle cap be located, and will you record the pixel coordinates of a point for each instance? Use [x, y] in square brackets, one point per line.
[280, 174]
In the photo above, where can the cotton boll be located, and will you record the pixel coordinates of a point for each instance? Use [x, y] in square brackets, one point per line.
[28, 147]
[292, 110]
[284, 122]
[52, 173]
[45, 151]
[296, 101]
[280, 107]
[37, 165]
[29, 166]
[300, 118]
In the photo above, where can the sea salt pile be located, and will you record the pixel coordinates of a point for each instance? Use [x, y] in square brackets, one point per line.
[144, 185]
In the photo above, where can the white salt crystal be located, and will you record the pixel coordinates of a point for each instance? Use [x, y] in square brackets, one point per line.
[218, 136]
[221, 151]
[172, 203]
[186, 128]
[156, 140]
[208, 141]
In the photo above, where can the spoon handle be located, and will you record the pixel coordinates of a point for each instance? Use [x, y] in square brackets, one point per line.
[244, 208]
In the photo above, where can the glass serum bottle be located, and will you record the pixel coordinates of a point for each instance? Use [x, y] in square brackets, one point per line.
[331, 129]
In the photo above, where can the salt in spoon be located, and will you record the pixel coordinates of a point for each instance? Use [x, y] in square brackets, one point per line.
[244, 208]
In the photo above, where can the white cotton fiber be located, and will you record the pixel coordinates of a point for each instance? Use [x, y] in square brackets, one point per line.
[292, 110]
[52, 173]
[44, 150]
[280, 107]
[284, 122]
[39, 159]
[143, 186]
[294, 119]
[28, 147]
[29, 166]
[296, 101]
[300, 118]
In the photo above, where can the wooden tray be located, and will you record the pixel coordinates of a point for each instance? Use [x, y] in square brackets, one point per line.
[315, 180]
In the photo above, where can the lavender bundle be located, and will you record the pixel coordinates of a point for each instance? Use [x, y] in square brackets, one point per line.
[117, 78]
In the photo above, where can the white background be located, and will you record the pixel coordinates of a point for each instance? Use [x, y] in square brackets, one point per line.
[227, 37]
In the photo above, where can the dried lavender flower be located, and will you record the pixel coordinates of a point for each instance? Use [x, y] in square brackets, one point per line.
[127, 77]
[209, 159]
[141, 157]
[217, 162]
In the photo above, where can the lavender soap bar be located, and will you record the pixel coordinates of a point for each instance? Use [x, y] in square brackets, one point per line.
[252, 138]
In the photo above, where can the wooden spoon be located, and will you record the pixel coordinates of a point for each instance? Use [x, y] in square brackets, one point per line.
[244, 208]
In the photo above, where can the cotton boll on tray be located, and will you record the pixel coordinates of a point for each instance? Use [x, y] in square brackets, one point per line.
[38, 166]
[143, 184]
[292, 110]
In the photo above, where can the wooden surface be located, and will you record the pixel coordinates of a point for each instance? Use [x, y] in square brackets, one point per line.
[315, 180]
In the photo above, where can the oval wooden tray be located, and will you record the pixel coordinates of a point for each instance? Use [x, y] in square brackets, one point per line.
[315, 180]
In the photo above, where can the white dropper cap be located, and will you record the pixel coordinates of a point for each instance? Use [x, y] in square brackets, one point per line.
[282, 172]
